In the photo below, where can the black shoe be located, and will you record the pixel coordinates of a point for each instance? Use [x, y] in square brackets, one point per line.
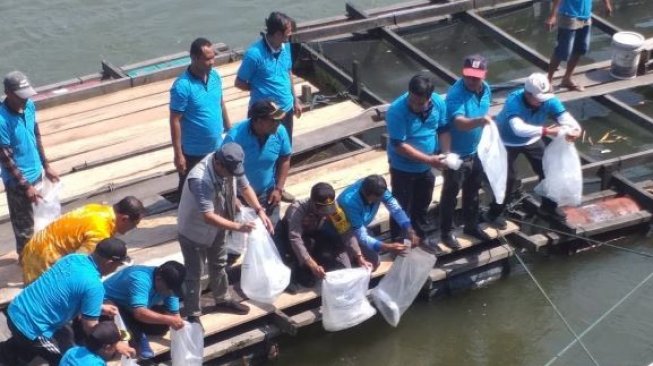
[232, 306]
[550, 208]
[476, 232]
[496, 221]
[432, 245]
[450, 241]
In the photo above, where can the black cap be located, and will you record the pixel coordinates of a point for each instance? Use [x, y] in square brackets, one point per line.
[103, 333]
[173, 274]
[113, 249]
[17, 83]
[475, 66]
[231, 155]
[265, 108]
[323, 196]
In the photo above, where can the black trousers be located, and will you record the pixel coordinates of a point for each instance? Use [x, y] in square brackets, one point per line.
[533, 154]
[21, 215]
[414, 192]
[469, 177]
[20, 350]
[191, 161]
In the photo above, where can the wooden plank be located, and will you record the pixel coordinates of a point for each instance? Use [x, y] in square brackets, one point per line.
[470, 261]
[467, 241]
[120, 96]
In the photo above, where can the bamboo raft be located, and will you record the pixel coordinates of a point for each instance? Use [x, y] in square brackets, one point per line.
[107, 135]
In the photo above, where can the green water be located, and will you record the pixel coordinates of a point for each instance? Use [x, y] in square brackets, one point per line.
[639, 98]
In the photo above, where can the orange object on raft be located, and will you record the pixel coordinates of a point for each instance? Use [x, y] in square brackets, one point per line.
[607, 209]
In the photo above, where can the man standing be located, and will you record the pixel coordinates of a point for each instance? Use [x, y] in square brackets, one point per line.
[522, 124]
[574, 19]
[314, 237]
[266, 69]
[71, 288]
[21, 155]
[267, 153]
[101, 347]
[361, 201]
[198, 115]
[468, 105]
[79, 231]
[206, 210]
[148, 301]
[417, 126]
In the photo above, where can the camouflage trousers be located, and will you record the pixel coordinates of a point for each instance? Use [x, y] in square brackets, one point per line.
[21, 215]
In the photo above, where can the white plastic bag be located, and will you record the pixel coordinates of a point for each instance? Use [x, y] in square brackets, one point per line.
[48, 208]
[401, 285]
[494, 158]
[235, 242]
[563, 182]
[263, 275]
[344, 301]
[124, 361]
[187, 345]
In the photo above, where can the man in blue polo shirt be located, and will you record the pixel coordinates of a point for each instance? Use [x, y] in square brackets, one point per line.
[522, 123]
[266, 69]
[415, 121]
[468, 105]
[71, 287]
[361, 201]
[574, 19]
[267, 153]
[198, 115]
[148, 300]
[22, 157]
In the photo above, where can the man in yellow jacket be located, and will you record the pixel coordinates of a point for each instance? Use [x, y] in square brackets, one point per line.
[78, 231]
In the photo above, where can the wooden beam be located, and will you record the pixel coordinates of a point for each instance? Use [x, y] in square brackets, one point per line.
[507, 40]
[407, 48]
[604, 25]
[340, 75]
[627, 111]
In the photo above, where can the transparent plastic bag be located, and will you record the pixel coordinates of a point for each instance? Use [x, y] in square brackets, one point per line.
[236, 241]
[494, 158]
[344, 301]
[401, 285]
[263, 274]
[563, 182]
[187, 345]
[120, 324]
[47, 208]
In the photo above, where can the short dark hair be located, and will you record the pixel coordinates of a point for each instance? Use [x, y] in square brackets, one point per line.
[374, 185]
[197, 45]
[277, 22]
[421, 85]
[130, 206]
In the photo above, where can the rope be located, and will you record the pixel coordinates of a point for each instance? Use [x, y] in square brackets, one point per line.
[548, 299]
[600, 319]
[589, 240]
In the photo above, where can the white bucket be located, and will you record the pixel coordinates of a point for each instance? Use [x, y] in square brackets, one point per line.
[626, 47]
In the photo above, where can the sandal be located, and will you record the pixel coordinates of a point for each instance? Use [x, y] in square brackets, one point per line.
[572, 86]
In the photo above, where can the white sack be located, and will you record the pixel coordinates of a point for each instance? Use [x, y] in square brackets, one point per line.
[563, 182]
[47, 208]
[187, 345]
[494, 158]
[344, 301]
[401, 285]
[263, 274]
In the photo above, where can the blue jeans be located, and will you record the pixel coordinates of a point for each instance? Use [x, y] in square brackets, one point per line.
[572, 41]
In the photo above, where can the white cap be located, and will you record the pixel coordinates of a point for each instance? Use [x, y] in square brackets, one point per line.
[539, 86]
